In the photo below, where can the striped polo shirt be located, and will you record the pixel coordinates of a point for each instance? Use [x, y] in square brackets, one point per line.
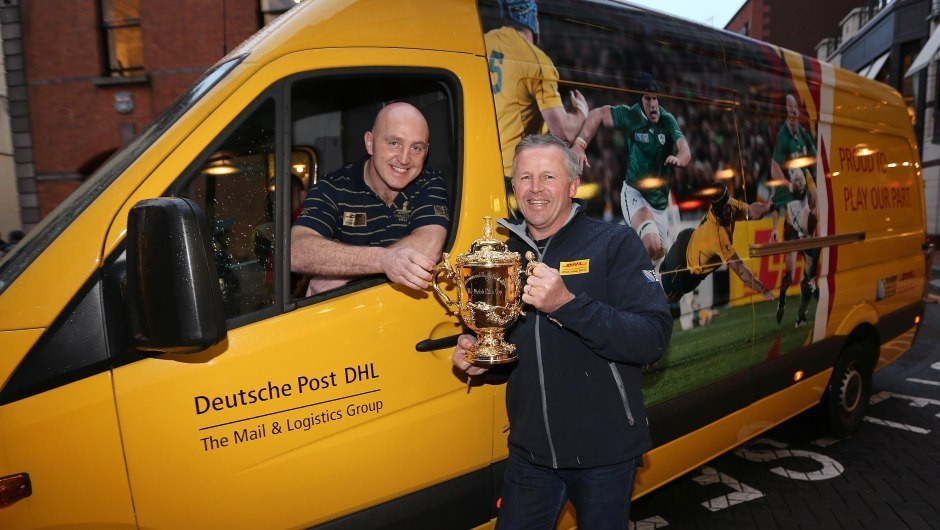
[340, 206]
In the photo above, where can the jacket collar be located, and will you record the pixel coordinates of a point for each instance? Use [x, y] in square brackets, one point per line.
[519, 228]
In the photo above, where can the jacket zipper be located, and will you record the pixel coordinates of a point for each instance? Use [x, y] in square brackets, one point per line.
[623, 392]
[538, 356]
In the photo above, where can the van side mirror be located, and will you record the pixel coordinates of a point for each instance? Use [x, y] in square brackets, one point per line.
[173, 293]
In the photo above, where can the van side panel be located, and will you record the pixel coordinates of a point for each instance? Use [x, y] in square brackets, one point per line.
[68, 441]
[877, 190]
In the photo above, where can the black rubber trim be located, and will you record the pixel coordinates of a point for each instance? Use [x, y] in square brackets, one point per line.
[896, 323]
[689, 412]
[463, 502]
[776, 375]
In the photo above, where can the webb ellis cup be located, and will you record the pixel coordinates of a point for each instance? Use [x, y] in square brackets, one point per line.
[489, 295]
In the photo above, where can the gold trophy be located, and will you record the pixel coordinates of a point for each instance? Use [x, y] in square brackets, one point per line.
[489, 281]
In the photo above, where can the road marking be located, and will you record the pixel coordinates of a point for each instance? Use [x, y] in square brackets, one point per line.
[915, 401]
[936, 365]
[826, 442]
[923, 381]
[896, 425]
[829, 468]
[650, 523]
[742, 492]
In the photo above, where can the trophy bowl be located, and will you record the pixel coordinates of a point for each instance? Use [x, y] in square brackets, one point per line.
[489, 295]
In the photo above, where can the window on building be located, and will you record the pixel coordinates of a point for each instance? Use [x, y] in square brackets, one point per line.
[123, 39]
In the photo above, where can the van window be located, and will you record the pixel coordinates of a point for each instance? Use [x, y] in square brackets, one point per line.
[56, 222]
[329, 117]
[235, 187]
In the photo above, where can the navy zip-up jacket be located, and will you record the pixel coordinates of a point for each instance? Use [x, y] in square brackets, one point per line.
[574, 398]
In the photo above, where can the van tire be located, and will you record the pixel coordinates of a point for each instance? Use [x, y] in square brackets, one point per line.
[846, 399]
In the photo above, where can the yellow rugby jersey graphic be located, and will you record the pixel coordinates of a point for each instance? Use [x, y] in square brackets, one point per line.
[524, 82]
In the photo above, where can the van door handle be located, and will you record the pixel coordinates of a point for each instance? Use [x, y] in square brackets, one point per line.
[437, 344]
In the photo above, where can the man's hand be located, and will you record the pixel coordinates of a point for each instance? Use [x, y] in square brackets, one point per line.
[578, 102]
[673, 160]
[464, 343]
[578, 149]
[407, 267]
[545, 290]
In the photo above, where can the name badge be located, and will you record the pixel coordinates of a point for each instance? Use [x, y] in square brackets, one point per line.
[354, 219]
[581, 266]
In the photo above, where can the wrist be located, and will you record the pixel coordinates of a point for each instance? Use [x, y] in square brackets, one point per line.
[580, 142]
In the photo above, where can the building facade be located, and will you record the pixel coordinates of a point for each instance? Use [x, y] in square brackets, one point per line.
[797, 25]
[85, 76]
[9, 205]
[888, 41]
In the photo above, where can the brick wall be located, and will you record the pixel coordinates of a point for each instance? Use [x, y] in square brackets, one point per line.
[72, 107]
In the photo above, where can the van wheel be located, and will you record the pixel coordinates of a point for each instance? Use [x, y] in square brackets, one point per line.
[846, 398]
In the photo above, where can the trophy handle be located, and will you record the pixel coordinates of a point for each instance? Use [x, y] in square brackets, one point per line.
[447, 270]
[532, 263]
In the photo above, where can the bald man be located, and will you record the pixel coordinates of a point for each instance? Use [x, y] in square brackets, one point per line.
[385, 214]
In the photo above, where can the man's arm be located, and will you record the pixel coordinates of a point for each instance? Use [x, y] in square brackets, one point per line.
[427, 239]
[566, 124]
[683, 154]
[636, 325]
[748, 277]
[313, 254]
[757, 210]
[595, 118]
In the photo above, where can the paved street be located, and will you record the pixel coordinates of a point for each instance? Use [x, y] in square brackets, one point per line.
[886, 476]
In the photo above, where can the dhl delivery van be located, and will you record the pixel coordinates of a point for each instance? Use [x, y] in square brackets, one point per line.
[160, 367]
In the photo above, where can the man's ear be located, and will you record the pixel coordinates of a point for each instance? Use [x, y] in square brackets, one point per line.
[368, 139]
[573, 188]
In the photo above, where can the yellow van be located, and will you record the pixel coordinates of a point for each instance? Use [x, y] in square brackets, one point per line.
[161, 368]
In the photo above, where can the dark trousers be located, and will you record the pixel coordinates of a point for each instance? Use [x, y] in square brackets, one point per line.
[533, 496]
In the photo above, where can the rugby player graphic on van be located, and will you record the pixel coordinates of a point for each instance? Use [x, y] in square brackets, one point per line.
[795, 196]
[655, 145]
[697, 252]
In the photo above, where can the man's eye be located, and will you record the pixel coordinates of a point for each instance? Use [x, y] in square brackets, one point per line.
[418, 148]
[393, 143]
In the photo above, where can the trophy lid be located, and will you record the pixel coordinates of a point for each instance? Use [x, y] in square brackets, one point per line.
[488, 250]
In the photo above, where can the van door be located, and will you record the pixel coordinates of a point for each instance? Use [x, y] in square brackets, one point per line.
[316, 407]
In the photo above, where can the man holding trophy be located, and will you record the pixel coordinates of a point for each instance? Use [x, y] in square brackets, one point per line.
[594, 314]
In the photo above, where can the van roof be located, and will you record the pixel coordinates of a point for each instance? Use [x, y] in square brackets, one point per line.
[446, 25]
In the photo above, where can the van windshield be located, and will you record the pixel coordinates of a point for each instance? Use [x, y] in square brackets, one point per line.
[16, 261]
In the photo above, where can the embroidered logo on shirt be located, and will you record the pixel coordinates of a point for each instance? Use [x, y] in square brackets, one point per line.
[661, 138]
[441, 210]
[642, 138]
[403, 214]
[574, 267]
[651, 276]
[354, 219]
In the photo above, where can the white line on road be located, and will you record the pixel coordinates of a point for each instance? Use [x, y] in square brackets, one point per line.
[650, 523]
[936, 365]
[923, 381]
[742, 492]
[915, 401]
[896, 425]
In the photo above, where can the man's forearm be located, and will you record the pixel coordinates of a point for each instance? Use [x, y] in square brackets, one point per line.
[324, 257]
[428, 240]
[592, 123]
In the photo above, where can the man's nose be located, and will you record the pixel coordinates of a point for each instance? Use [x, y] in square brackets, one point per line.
[405, 156]
[537, 184]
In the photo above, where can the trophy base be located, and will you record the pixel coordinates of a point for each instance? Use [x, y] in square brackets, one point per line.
[491, 350]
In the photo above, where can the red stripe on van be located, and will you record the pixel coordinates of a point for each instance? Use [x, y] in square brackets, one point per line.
[831, 228]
